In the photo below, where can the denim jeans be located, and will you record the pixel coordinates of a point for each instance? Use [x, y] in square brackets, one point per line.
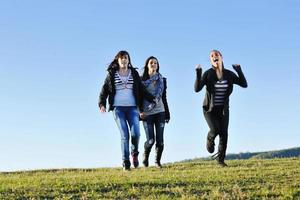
[156, 121]
[127, 118]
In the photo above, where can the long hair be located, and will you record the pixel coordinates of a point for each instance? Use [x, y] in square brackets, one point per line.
[145, 75]
[114, 65]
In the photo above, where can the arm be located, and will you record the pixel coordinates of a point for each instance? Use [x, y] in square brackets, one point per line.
[165, 102]
[200, 80]
[103, 95]
[147, 95]
[240, 79]
[143, 93]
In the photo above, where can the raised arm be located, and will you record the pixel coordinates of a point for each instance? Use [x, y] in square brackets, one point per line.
[200, 80]
[240, 79]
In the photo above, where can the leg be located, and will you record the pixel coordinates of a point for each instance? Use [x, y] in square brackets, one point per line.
[119, 116]
[223, 138]
[159, 130]
[149, 130]
[214, 128]
[134, 124]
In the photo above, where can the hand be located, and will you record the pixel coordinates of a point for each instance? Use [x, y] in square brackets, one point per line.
[236, 67]
[198, 67]
[102, 109]
[142, 115]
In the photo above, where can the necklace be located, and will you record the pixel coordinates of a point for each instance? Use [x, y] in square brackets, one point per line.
[124, 79]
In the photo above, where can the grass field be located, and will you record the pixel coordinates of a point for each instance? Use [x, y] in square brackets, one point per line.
[243, 179]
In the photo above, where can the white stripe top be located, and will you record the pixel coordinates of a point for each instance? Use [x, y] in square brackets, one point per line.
[220, 92]
[124, 90]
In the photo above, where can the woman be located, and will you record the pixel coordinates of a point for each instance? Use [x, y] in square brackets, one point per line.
[125, 92]
[219, 85]
[154, 115]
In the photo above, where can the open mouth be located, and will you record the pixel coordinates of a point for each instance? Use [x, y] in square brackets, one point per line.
[216, 60]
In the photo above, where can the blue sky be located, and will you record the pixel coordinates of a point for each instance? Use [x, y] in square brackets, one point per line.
[53, 59]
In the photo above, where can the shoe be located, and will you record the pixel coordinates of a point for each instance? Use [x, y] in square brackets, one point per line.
[135, 160]
[159, 150]
[220, 159]
[147, 150]
[126, 165]
[158, 165]
[146, 159]
[222, 164]
[210, 145]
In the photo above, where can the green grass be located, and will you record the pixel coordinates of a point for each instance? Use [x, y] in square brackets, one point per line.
[243, 179]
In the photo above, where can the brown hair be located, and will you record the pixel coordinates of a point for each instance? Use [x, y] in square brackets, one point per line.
[115, 65]
[145, 75]
[217, 51]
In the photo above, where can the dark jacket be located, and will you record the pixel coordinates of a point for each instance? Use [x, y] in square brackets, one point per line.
[209, 78]
[108, 90]
[165, 102]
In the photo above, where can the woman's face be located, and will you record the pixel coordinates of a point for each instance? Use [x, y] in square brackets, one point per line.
[216, 59]
[123, 61]
[152, 65]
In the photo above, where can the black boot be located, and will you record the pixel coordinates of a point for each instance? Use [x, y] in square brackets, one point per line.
[221, 156]
[135, 160]
[210, 145]
[126, 165]
[159, 150]
[147, 150]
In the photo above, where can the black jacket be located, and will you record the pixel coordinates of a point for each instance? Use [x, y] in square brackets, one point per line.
[108, 90]
[209, 78]
[165, 102]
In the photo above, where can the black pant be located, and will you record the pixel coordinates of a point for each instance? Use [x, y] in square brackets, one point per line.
[218, 121]
[157, 122]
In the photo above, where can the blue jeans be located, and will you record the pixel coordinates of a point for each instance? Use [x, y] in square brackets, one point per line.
[156, 121]
[128, 116]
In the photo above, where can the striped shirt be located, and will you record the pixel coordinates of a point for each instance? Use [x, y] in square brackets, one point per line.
[123, 82]
[124, 90]
[220, 92]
